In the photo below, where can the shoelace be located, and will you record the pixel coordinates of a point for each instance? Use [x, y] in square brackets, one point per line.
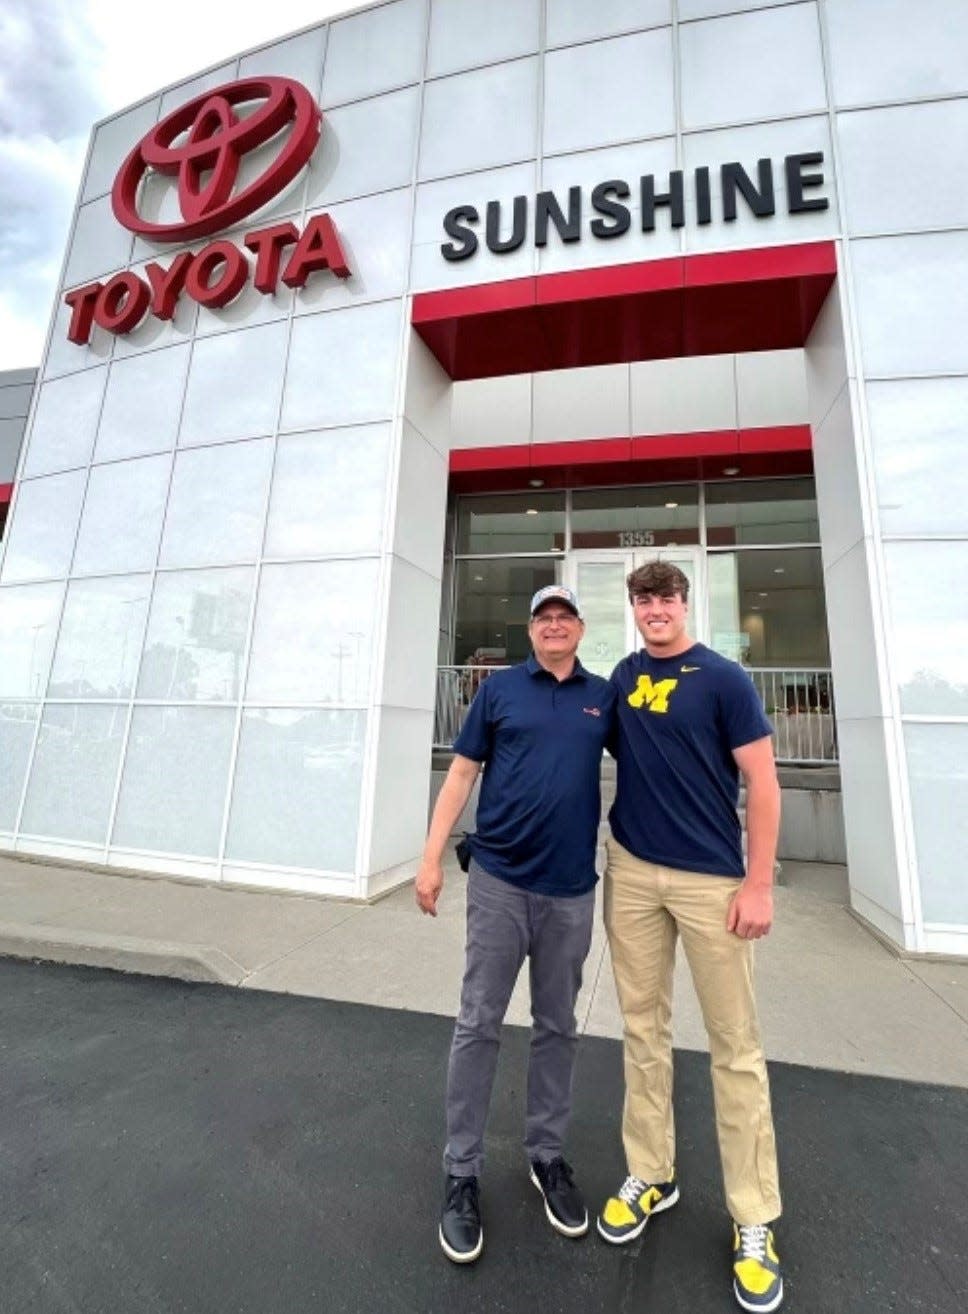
[463, 1193]
[752, 1240]
[558, 1171]
[631, 1189]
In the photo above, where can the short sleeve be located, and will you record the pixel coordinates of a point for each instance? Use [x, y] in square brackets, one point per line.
[474, 740]
[741, 709]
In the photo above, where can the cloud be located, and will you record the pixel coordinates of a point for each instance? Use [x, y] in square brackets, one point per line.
[49, 96]
[38, 178]
[49, 83]
[64, 64]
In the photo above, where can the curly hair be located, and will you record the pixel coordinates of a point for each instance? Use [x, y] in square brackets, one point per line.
[660, 577]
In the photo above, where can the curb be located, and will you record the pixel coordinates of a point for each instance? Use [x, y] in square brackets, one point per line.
[119, 953]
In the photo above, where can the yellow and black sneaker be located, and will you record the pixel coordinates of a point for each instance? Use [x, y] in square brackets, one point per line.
[757, 1281]
[625, 1215]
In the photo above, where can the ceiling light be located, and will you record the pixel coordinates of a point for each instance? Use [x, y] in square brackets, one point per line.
[536, 483]
[779, 570]
[505, 599]
[763, 595]
[671, 506]
[730, 469]
[478, 579]
[531, 511]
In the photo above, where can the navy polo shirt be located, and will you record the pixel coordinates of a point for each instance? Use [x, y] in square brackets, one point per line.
[541, 742]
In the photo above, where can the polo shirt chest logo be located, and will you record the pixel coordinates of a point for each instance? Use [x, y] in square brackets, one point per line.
[654, 697]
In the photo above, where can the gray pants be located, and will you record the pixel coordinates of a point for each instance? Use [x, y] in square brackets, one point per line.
[504, 926]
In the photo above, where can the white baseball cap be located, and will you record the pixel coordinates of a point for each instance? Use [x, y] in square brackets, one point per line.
[559, 592]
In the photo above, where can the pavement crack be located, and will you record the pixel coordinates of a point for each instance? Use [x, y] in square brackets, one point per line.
[915, 976]
[294, 949]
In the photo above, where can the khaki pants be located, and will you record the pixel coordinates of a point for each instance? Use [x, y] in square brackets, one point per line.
[647, 908]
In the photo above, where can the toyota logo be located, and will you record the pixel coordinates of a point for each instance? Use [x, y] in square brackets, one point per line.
[202, 145]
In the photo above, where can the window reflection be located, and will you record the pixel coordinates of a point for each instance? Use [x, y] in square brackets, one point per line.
[313, 634]
[767, 608]
[17, 724]
[196, 635]
[492, 608]
[100, 638]
[511, 522]
[74, 770]
[761, 511]
[296, 797]
[658, 516]
[175, 774]
[41, 536]
[28, 627]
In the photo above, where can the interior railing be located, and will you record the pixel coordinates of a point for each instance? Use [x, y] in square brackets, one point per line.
[798, 701]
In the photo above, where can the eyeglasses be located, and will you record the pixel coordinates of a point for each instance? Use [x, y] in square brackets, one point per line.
[554, 618]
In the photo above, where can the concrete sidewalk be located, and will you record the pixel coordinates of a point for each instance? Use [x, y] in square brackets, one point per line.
[831, 994]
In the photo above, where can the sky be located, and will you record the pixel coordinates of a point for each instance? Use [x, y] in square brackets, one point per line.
[64, 64]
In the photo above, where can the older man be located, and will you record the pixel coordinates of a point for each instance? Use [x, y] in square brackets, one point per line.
[539, 729]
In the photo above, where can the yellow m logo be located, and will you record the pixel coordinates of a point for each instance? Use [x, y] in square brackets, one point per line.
[653, 696]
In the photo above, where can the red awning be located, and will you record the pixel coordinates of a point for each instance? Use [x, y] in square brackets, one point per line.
[695, 305]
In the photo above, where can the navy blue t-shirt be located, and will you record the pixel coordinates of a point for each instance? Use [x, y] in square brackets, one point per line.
[677, 721]
[541, 741]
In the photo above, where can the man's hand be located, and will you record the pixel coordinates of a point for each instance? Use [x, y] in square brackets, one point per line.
[751, 911]
[428, 884]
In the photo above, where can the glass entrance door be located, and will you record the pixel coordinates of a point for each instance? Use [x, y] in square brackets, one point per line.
[598, 577]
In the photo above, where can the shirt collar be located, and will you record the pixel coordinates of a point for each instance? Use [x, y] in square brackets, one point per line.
[535, 668]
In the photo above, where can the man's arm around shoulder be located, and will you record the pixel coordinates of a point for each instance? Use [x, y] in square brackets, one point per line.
[451, 800]
[751, 911]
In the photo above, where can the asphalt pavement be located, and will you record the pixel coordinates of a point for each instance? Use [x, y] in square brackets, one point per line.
[256, 1126]
[194, 1148]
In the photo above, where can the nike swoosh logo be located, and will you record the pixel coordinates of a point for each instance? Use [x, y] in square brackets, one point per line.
[686, 669]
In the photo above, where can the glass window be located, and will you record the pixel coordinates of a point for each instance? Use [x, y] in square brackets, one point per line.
[142, 404]
[28, 628]
[217, 504]
[657, 516]
[73, 776]
[100, 638]
[761, 511]
[122, 516]
[768, 608]
[65, 422]
[492, 608]
[296, 799]
[234, 385]
[342, 367]
[314, 633]
[604, 603]
[175, 774]
[937, 757]
[41, 537]
[511, 522]
[926, 582]
[328, 491]
[17, 724]
[196, 634]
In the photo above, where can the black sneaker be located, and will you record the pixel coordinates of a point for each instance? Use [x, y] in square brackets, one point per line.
[564, 1203]
[460, 1232]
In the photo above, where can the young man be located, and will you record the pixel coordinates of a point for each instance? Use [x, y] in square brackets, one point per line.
[540, 729]
[688, 724]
